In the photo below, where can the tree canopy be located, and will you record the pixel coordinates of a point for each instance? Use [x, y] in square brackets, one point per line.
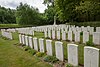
[64, 10]
[26, 15]
[7, 15]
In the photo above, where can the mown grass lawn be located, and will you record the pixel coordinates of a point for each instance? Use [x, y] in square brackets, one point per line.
[13, 56]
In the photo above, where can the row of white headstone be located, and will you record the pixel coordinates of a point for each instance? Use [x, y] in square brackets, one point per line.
[27, 31]
[65, 28]
[54, 32]
[58, 34]
[11, 30]
[7, 34]
[59, 27]
[91, 54]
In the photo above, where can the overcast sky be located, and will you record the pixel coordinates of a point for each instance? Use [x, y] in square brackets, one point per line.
[14, 3]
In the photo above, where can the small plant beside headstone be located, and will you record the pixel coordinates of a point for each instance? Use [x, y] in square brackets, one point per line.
[51, 59]
[69, 65]
[40, 54]
[89, 43]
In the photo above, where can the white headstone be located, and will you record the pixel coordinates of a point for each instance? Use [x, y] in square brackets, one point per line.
[91, 57]
[20, 38]
[33, 33]
[72, 54]
[63, 35]
[23, 39]
[58, 34]
[53, 34]
[49, 47]
[77, 36]
[45, 34]
[97, 29]
[91, 30]
[35, 41]
[96, 38]
[59, 50]
[30, 42]
[26, 41]
[85, 37]
[70, 35]
[49, 33]
[41, 45]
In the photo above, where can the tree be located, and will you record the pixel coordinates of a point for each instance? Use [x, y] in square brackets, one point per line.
[49, 15]
[65, 9]
[7, 15]
[88, 11]
[26, 15]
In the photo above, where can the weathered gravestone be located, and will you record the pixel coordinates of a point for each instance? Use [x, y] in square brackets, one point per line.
[26, 40]
[53, 34]
[49, 33]
[91, 30]
[45, 34]
[35, 41]
[41, 45]
[77, 36]
[72, 51]
[63, 35]
[30, 42]
[96, 38]
[58, 34]
[97, 29]
[70, 35]
[33, 33]
[23, 39]
[49, 47]
[85, 37]
[20, 38]
[59, 50]
[91, 57]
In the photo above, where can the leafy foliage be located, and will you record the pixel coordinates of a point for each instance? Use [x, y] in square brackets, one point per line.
[7, 15]
[51, 59]
[76, 10]
[49, 15]
[89, 43]
[69, 65]
[26, 15]
[39, 54]
[87, 11]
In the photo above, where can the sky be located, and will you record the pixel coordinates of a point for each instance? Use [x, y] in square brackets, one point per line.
[14, 3]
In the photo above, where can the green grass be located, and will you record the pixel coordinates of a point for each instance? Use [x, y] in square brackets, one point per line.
[13, 56]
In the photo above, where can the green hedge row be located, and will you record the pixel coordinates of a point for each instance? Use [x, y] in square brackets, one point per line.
[93, 24]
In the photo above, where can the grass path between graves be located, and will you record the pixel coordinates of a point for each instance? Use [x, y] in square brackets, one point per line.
[13, 56]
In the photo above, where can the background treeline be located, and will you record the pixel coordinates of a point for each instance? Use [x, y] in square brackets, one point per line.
[7, 15]
[27, 15]
[23, 15]
[76, 11]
